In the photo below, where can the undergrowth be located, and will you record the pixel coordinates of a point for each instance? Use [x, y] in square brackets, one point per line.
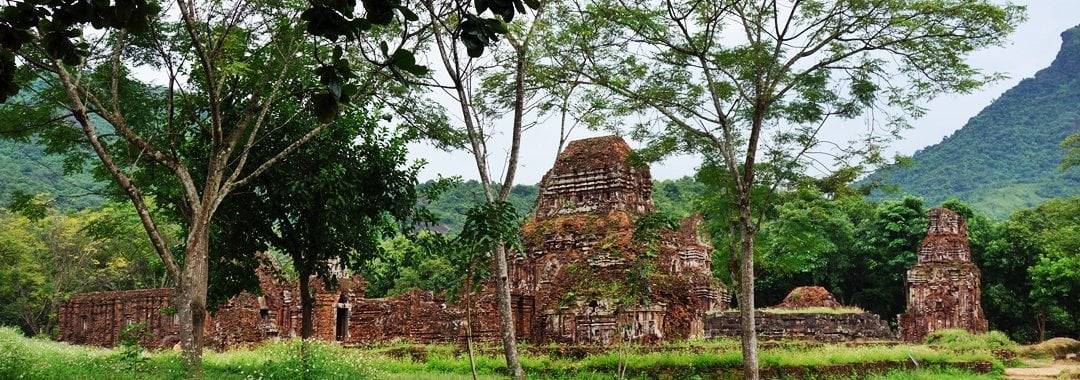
[33, 358]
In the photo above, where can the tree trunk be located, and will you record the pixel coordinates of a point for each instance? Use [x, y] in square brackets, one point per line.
[191, 300]
[506, 314]
[468, 321]
[746, 292]
[307, 303]
[1040, 323]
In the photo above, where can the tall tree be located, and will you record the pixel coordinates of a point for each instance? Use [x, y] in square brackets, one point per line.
[224, 66]
[327, 206]
[454, 29]
[1032, 271]
[742, 81]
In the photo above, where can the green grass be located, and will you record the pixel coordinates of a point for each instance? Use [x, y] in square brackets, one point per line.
[958, 340]
[934, 374]
[31, 358]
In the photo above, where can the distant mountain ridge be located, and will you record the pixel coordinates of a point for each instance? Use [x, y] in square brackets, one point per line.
[1007, 156]
[24, 167]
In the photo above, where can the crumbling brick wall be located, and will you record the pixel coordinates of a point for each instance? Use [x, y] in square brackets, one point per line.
[582, 278]
[98, 318]
[943, 288]
[821, 327]
[786, 321]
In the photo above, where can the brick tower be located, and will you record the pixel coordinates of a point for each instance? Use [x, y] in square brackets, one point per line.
[943, 287]
[579, 279]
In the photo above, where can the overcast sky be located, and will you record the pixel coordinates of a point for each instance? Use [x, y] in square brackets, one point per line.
[1033, 46]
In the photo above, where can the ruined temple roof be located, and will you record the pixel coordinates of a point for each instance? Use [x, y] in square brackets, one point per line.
[591, 154]
[809, 296]
[944, 221]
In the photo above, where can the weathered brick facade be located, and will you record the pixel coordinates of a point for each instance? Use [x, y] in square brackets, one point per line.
[584, 278]
[820, 327]
[786, 321]
[587, 276]
[809, 296]
[98, 318]
[943, 287]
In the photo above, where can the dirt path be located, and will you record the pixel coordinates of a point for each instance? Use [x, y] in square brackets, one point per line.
[1047, 371]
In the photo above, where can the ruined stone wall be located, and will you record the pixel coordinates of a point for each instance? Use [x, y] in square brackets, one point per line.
[342, 314]
[943, 288]
[582, 279]
[821, 327]
[98, 318]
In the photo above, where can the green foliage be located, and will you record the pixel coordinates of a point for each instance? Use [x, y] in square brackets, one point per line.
[45, 261]
[57, 28]
[489, 225]
[450, 206]
[21, 357]
[26, 169]
[34, 359]
[959, 340]
[1007, 157]
[1029, 272]
[679, 196]
[1071, 145]
[888, 240]
[861, 250]
[311, 207]
[435, 274]
[1051, 348]
[933, 374]
[129, 349]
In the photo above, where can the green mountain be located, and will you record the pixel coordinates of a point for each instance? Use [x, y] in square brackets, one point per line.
[24, 167]
[1006, 157]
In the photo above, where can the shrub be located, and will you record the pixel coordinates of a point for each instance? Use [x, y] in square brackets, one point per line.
[958, 340]
[1053, 348]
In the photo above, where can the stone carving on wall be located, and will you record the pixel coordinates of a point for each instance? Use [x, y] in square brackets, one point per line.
[943, 288]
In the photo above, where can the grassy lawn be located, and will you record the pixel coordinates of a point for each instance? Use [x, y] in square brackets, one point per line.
[31, 358]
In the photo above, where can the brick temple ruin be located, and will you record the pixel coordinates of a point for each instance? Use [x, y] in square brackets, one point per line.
[801, 316]
[597, 267]
[587, 275]
[943, 287]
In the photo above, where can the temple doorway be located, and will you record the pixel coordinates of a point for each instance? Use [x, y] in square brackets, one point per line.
[341, 325]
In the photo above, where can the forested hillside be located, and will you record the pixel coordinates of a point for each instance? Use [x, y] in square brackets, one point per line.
[675, 196]
[24, 167]
[1006, 157]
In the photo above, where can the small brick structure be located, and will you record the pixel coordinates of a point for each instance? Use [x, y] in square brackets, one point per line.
[583, 278]
[943, 288]
[808, 296]
[786, 321]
